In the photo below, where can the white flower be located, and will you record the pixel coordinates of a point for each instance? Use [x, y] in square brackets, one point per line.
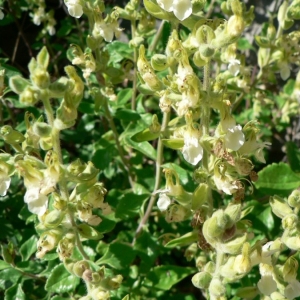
[163, 202]
[108, 30]
[192, 151]
[234, 66]
[267, 285]
[234, 138]
[4, 184]
[292, 291]
[182, 9]
[74, 8]
[225, 184]
[37, 202]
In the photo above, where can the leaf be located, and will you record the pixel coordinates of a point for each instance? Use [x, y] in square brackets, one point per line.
[267, 218]
[28, 248]
[184, 240]
[182, 173]
[124, 96]
[118, 256]
[127, 115]
[43, 58]
[11, 275]
[61, 281]
[289, 87]
[15, 292]
[18, 84]
[129, 205]
[143, 147]
[277, 177]
[293, 155]
[244, 44]
[164, 277]
[89, 232]
[4, 265]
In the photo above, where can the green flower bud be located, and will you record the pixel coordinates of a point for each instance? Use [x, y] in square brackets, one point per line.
[191, 251]
[46, 143]
[233, 211]
[40, 78]
[43, 58]
[89, 173]
[42, 129]
[279, 207]
[235, 26]
[53, 218]
[58, 88]
[159, 62]
[200, 196]
[206, 51]
[216, 288]
[88, 232]
[201, 280]
[29, 96]
[199, 60]
[234, 246]
[136, 42]
[69, 264]
[293, 11]
[155, 125]
[176, 213]
[48, 241]
[210, 267]
[11, 136]
[294, 199]
[198, 5]
[205, 35]
[290, 221]
[79, 267]
[290, 269]
[236, 7]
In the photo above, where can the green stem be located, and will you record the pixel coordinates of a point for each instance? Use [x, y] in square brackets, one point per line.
[28, 274]
[159, 161]
[134, 83]
[157, 36]
[119, 147]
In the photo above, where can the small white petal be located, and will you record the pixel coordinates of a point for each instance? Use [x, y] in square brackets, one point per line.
[37, 203]
[4, 185]
[234, 66]
[74, 9]
[267, 285]
[292, 291]
[285, 71]
[192, 151]
[163, 202]
[182, 9]
[234, 138]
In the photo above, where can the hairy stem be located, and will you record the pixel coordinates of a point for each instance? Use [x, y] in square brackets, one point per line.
[134, 83]
[159, 161]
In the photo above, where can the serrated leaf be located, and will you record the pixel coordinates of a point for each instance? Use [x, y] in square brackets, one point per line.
[129, 205]
[118, 256]
[164, 277]
[143, 147]
[61, 281]
[28, 248]
[15, 292]
[277, 177]
[184, 240]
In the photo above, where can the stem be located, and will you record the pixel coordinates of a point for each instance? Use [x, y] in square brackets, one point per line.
[157, 36]
[159, 161]
[134, 83]
[28, 274]
[119, 147]
[62, 183]
[205, 114]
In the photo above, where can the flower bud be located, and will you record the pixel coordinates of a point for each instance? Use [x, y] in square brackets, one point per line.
[216, 288]
[235, 26]
[236, 7]
[247, 292]
[159, 62]
[29, 96]
[290, 221]
[48, 241]
[234, 246]
[176, 213]
[293, 11]
[42, 129]
[294, 199]
[200, 196]
[279, 207]
[290, 269]
[58, 88]
[40, 78]
[201, 280]
[233, 211]
[65, 247]
[53, 218]
[79, 267]
[11, 136]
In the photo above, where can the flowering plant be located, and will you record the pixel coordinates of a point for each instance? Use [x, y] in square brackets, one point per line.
[150, 150]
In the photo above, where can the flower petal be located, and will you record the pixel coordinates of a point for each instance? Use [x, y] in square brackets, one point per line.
[182, 9]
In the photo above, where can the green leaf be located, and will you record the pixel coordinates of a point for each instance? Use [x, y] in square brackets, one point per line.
[28, 248]
[61, 281]
[289, 87]
[143, 147]
[89, 232]
[293, 155]
[164, 277]
[43, 58]
[10, 274]
[184, 240]
[267, 218]
[118, 256]
[182, 173]
[15, 292]
[129, 205]
[155, 10]
[124, 96]
[244, 44]
[18, 84]
[145, 135]
[4, 265]
[277, 177]
[127, 115]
